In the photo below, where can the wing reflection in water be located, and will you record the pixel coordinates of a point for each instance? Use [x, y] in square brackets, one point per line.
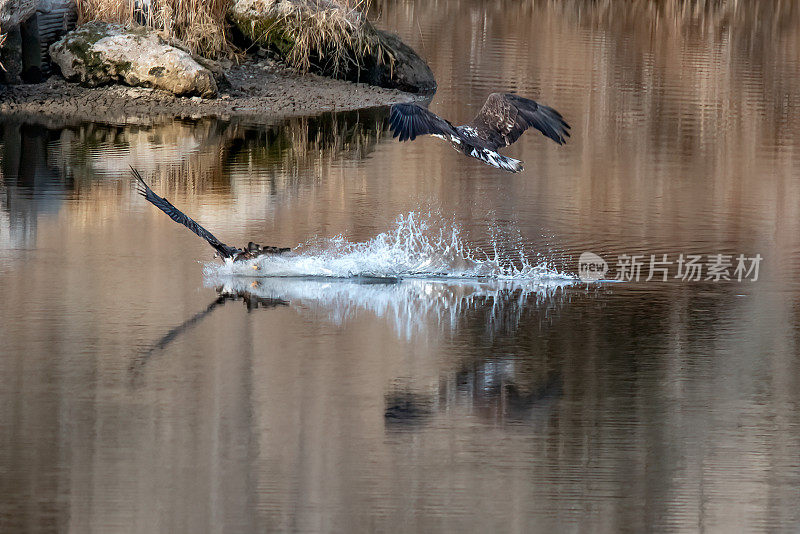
[491, 384]
[250, 301]
[493, 390]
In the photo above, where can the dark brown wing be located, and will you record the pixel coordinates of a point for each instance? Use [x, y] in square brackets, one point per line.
[504, 117]
[178, 216]
[410, 120]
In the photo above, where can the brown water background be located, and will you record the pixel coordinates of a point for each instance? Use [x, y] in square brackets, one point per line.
[133, 400]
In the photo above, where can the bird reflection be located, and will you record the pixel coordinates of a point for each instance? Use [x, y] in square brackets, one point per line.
[407, 409]
[481, 315]
[507, 388]
[491, 390]
[503, 390]
[224, 295]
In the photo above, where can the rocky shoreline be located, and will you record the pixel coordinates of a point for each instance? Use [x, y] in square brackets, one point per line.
[122, 73]
[259, 87]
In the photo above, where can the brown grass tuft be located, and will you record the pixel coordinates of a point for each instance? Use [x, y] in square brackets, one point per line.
[335, 32]
[198, 24]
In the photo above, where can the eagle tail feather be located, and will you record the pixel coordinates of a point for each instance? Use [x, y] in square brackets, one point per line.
[490, 157]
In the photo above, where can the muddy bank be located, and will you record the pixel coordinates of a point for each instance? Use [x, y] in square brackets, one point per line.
[259, 87]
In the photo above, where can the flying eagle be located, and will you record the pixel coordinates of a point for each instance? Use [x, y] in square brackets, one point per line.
[500, 122]
[252, 250]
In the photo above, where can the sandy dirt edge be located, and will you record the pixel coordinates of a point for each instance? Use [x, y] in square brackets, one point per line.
[259, 87]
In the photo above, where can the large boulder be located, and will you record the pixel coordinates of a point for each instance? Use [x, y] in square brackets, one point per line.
[327, 37]
[13, 12]
[406, 70]
[99, 53]
[11, 56]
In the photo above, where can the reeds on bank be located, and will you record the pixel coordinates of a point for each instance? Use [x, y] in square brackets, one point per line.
[198, 24]
[332, 33]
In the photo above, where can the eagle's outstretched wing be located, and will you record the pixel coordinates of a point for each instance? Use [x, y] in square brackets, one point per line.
[504, 117]
[178, 216]
[410, 120]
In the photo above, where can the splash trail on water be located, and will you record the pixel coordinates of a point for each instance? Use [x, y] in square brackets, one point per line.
[417, 246]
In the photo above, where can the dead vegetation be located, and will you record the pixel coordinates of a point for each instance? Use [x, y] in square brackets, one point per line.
[334, 35]
[198, 24]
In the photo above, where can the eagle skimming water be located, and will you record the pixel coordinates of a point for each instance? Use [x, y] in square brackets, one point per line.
[252, 250]
[500, 122]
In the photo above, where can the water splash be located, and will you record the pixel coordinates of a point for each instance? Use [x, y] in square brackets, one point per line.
[417, 246]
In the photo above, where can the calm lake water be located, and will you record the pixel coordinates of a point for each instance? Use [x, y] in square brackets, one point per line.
[137, 397]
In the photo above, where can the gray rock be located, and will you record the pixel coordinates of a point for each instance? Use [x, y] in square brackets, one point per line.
[216, 69]
[31, 50]
[11, 56]
[55, 18]
[13, 12]
[407, 71]
[31, 26]
[99, 53]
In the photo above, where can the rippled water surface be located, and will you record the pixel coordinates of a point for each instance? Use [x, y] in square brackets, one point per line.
[429, 360]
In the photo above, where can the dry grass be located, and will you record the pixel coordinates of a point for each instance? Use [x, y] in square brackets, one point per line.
[334, 33]
[198, 24]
